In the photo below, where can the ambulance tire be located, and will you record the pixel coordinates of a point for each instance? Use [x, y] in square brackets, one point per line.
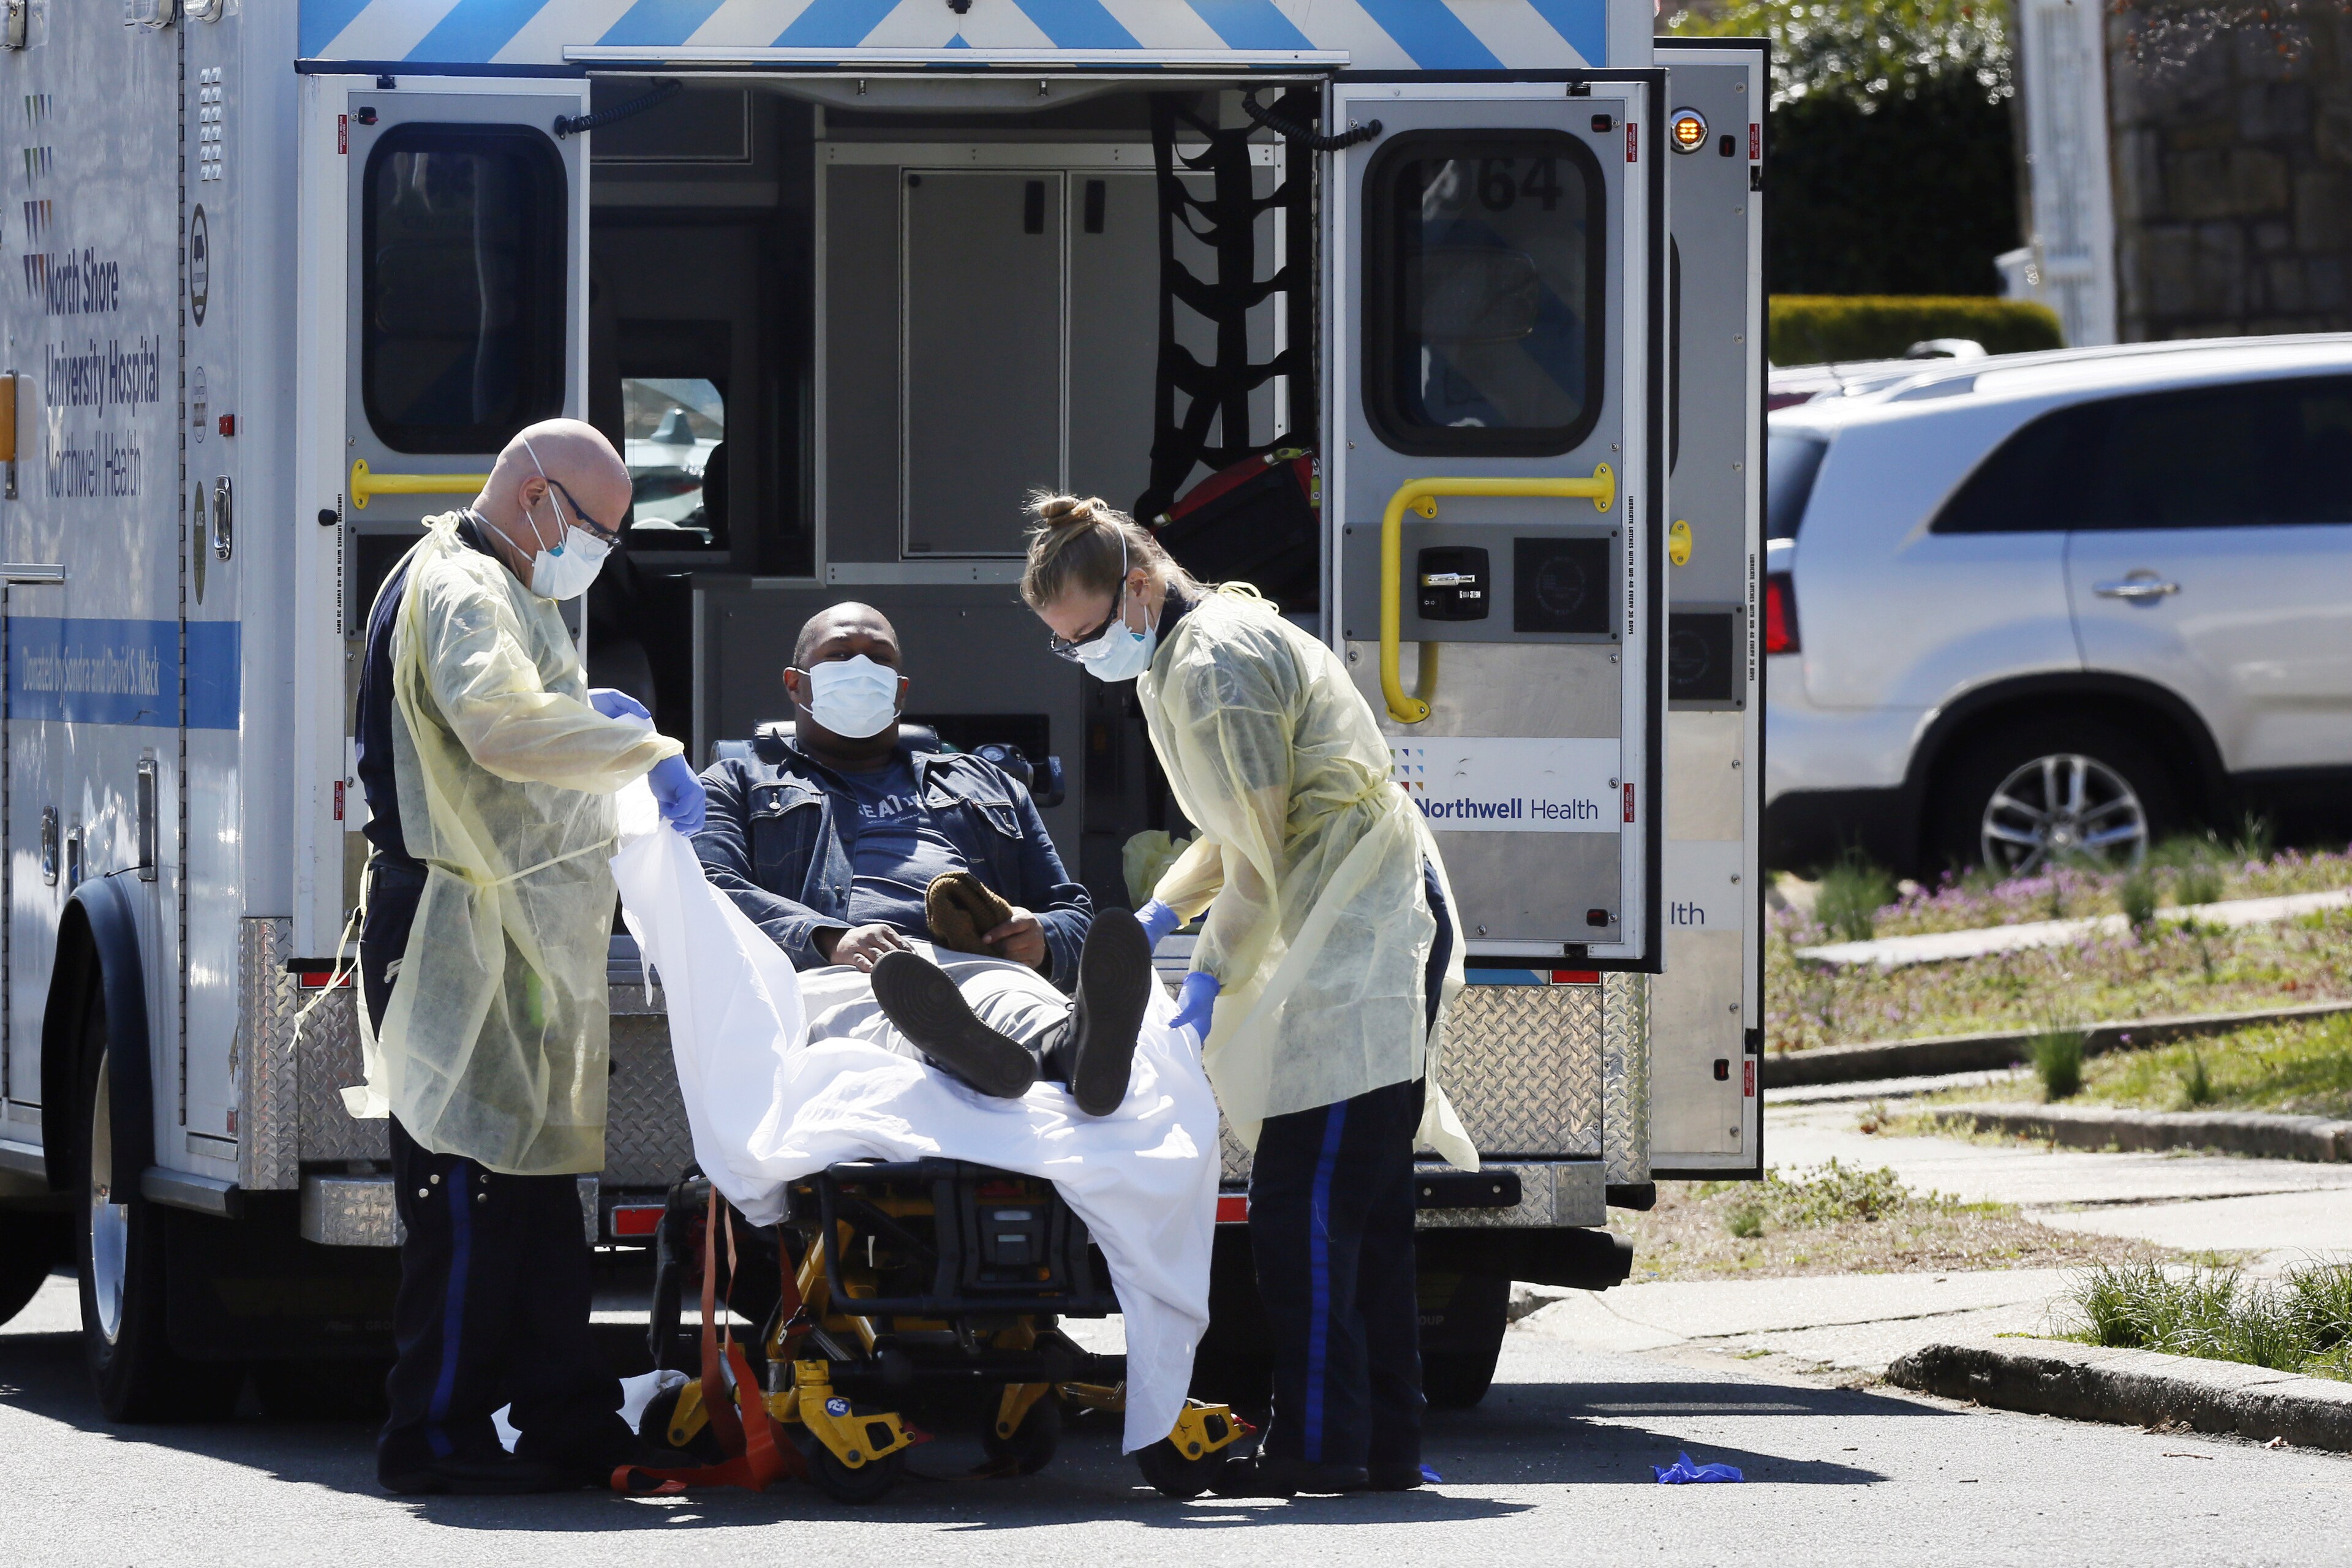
[1456, 1380]
[120, 1250]
[31, 1244]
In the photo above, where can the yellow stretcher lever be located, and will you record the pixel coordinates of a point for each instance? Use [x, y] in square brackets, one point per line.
[1421, 496]
[365, 484]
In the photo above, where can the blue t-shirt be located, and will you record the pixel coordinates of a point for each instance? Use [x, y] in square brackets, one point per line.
[896, 851]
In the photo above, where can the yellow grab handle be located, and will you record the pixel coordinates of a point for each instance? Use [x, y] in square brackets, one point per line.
[365, 484]
[1600, 490]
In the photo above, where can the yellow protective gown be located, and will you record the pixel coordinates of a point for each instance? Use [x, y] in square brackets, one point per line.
[1321, 930]
[494, 1040]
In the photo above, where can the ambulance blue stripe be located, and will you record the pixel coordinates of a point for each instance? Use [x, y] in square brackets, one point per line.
[1251, 25]
[1583, 23]
[660, 23]
[1319, 1254]
[834, 24]
[1433, 35]
[96, 671]
[1079, 24]
[323, 22]
[475, 30]
[453, 1312]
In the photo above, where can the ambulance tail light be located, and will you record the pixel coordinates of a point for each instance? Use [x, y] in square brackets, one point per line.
[1781, 612]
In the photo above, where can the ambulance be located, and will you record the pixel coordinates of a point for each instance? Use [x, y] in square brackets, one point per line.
[1440, 321]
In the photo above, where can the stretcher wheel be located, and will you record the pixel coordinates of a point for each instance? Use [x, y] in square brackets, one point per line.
[867, 1483]
[1174, 1475]
[1031, 1447]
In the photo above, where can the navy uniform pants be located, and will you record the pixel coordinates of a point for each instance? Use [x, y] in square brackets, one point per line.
[1330, 1223]
[495, 1281]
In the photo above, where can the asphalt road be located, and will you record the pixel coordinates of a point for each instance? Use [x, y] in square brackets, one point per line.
[1554, 1467]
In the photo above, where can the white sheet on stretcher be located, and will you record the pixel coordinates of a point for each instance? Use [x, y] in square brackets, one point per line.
[768, 1106]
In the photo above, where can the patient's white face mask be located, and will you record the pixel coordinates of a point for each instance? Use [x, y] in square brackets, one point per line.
[854, 698]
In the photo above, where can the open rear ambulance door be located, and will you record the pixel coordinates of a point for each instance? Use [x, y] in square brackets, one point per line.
[1495, 338]
[1707, 1016]
[443, 221]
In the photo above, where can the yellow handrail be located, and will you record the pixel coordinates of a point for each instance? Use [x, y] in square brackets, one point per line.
[1600, 490]
[365, 484]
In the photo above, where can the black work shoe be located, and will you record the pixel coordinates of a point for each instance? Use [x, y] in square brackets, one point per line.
[917, 995]
[1115, 982]
[1263, 1474]
[1396, 1476]
[498, 1474]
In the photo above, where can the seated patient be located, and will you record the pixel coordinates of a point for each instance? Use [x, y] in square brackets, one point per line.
[851, 846]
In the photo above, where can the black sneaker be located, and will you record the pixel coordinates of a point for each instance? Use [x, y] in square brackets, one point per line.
[497, 1474]
[918, 997]
[1263, 1474]
[1115, 982]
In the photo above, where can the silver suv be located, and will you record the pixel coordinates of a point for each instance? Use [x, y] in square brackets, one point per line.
[2041, 606]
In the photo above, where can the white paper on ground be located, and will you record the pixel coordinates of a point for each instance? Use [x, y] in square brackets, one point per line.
[768, 1106]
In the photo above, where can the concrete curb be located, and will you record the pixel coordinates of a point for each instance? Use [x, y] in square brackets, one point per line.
[2267, 1134]
[2135, 1388]
[1982, 1052]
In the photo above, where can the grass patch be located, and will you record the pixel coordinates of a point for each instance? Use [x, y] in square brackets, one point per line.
[2057, 1056]
[1840, 1219]
[1852, 893]
[2303, 1068]
[2299, 1323]
[2171, 967]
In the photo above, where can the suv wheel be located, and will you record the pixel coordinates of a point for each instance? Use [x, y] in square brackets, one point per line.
[2052, 791]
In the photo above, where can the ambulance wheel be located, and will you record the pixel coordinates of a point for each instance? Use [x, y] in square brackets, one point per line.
[1456, 1380]
[866, 1483]
[652, 1428]
[119, 1246]
[1174, 1475]
[1031, 1447]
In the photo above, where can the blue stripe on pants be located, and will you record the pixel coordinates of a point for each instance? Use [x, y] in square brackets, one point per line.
[453, 1322]
[1318, 1248]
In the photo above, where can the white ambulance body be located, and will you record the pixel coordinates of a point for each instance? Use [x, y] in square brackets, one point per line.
[1382, 304]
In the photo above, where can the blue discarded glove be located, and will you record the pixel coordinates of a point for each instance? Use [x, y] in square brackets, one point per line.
[614, 704]
[1158, 921]
[678, 794]
[1196, 1000]
[1682, 1472]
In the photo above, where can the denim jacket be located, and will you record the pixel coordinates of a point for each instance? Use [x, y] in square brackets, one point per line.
[777, 841]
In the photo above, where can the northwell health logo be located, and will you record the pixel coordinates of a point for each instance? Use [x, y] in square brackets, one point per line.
[1468, 795]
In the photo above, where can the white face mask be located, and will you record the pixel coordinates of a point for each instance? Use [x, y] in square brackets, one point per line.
[854, 698]
[564, 571]
[1121, 653]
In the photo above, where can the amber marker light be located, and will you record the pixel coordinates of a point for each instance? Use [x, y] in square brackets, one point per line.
[1687, 130]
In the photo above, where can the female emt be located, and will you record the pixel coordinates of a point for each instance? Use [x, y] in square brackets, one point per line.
[1324, 962]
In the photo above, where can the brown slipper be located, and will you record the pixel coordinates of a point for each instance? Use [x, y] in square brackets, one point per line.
[961, 909]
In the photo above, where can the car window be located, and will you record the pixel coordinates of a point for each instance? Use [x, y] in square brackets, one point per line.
[2259, 453]
[1790, 464]
[2040, 480]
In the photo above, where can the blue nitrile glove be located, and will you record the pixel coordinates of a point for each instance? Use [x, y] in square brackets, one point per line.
[679, 795]
[1158, 921]
[614, 704]
[1195, 1001]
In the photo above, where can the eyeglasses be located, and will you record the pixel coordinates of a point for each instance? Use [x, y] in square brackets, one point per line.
[596, 530]
[1065, 647]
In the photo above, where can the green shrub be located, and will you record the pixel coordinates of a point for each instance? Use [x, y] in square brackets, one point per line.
[2058, 1062]
[1812, 329]
[2137, 893]
[1746, 1222]
[2198, 884]
[1852, 893]
[2196, 1083]
[1828, 1194]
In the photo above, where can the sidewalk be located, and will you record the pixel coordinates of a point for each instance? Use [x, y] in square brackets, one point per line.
[1933, 947]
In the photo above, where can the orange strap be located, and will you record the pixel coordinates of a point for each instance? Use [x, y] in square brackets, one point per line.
[757, 1454]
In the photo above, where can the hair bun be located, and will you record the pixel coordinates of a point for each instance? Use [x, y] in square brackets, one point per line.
[1068, 511]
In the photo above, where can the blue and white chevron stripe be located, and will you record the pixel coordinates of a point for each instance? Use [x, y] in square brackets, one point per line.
[1373, 35]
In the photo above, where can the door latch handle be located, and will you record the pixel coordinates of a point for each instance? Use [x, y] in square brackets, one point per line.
[2137, 589]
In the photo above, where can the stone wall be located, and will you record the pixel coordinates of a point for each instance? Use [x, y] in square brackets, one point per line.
[2232, 166]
